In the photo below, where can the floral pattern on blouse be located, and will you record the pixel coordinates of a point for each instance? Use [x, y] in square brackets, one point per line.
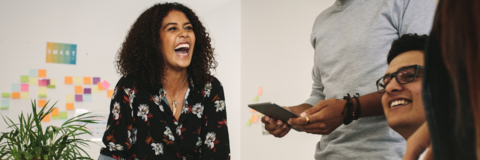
[141, 124]
[220, 105]
[116, 111]
[198, 110]
[158, 148]
[207, 89]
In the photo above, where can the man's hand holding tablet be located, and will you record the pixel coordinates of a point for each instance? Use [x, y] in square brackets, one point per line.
[275, 118]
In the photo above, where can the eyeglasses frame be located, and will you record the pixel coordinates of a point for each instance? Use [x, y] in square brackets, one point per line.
[394, 75]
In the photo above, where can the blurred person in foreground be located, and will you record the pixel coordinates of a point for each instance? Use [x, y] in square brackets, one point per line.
[451, 85]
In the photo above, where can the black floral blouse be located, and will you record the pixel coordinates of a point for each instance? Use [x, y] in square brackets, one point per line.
[142, 126]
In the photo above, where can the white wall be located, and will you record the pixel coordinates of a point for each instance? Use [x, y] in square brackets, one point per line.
[277, 55]
[99, 28]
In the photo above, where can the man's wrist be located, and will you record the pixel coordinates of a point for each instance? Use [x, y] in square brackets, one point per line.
[351, 109]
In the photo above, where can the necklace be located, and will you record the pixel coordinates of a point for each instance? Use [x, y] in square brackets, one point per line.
[174, 106]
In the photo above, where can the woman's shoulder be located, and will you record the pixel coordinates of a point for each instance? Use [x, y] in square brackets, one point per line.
[213, 81]
[128, 81]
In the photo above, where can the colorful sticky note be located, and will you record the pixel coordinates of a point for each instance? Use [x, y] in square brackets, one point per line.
[15, 87]
[42, 92]
[87, 80]
[24, 95]
[51, 83]
[6, 95]
[42, 83]
[87, 98]
[77, 80]
[63, 115]
[99, 84]
[96, 80]
[87, 91]
[105, 84]
[33, 73]
[55, 112]
[260, 91]
[41, 102]
[78, 89]
[46, 118]
[70, 106]
[255, 99]
[47, 81]
[42, 73]
[24, 79]
[70, 98]
[254, 118]
[109, 93]
[33, 81]
[95, 89]
[15, 94]
[24, 88]
[78, 98]
[68, 80]
[55, 117]
[5, 103]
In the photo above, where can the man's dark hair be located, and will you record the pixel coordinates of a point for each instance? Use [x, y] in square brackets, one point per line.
[408, 42]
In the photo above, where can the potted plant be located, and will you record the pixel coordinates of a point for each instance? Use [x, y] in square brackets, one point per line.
[28, 140]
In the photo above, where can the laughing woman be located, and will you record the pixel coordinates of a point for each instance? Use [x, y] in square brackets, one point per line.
[167, 105]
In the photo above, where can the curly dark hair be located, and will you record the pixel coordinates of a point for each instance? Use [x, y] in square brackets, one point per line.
[408, 42]
[141, 56]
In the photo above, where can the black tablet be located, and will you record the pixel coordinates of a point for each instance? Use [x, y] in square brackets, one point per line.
[273, 111]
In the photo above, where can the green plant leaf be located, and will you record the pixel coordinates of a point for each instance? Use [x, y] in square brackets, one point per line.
[28, 140]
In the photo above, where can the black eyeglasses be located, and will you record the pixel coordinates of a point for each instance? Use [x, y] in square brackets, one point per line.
[403, 75]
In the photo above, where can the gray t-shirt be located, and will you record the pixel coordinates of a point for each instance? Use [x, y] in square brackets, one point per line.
[351, 40]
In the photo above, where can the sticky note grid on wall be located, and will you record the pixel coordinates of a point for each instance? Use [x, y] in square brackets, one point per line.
[36, 81]
[62, 53]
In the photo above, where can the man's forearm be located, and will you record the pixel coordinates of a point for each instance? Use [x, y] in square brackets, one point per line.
[371, 104]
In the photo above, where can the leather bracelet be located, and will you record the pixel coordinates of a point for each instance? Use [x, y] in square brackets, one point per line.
[349, 108]
[356, 114]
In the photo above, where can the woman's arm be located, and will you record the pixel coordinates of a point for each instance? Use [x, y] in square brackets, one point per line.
[417, 143]
[118, 137]
[216, 144]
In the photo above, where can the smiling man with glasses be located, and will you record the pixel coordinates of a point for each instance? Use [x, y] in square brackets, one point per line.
[402, 85]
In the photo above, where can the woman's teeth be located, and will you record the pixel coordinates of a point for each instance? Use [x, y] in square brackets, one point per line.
[398, 102]
[182, 46]
[182, 49]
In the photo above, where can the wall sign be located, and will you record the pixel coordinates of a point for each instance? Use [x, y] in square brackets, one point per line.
[61, 53]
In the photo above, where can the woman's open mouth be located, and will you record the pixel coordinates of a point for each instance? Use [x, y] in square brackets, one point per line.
[182, 49]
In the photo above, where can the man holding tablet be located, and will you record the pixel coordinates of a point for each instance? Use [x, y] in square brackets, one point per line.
[351, 41]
